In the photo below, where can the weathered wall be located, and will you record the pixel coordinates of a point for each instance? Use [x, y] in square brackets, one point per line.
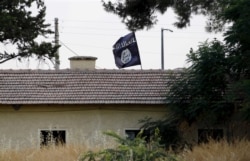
[83, 124]
[235, 130]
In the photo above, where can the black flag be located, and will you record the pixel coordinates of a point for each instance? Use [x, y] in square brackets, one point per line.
[126, 51]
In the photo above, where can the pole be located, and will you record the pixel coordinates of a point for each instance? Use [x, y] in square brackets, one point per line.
[162, 50]
[162, 46]
[57, 44]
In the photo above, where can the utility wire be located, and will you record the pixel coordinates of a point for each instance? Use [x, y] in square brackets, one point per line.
[69, 48]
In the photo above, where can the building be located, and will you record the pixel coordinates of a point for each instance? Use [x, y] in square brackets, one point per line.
[76, 105]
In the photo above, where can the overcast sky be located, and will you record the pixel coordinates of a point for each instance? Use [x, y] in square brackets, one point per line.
[85, 29]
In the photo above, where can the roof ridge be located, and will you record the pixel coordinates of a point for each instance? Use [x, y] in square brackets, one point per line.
[85, 70]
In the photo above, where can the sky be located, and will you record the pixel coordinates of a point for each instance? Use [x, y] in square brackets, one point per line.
[86, 29]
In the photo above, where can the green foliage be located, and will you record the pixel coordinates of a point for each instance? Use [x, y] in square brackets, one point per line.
[210, 91]
[128, 150]
[198, 95]
[131, 9]
[138, 14]
[168, 128]
[237, 38]
[209, 70]
[21, 24]
[240, 94]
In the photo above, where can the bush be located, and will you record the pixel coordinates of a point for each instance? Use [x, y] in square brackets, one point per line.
[131, 150]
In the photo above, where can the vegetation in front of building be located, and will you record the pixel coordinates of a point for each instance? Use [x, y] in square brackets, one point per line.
[138, 149]
[212, 151]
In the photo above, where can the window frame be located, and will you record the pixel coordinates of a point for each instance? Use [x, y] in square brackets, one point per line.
[146, 133]
[51, 130]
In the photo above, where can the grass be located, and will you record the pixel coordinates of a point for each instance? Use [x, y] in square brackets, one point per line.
[219, 151]
[59, 153]
[213, 151]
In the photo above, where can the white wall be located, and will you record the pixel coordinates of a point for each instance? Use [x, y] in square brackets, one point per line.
[83, 124]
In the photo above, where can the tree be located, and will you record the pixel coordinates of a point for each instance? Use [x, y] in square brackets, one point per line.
[140, 14]
[199, 94]
[21, 27]
[237, 38]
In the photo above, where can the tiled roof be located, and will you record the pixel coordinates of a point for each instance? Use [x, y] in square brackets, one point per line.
[83, 87]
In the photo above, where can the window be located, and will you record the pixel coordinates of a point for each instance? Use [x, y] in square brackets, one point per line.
[52, 137]
[205, 134]
[131, 134]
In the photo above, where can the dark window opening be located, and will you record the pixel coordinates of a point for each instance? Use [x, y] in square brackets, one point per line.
[204, 135]
[52, 137]
[132, 134]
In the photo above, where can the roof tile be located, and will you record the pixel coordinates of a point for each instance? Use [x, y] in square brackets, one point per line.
[83, 87]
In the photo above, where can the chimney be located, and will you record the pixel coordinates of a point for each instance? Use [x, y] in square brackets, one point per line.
[82, 62]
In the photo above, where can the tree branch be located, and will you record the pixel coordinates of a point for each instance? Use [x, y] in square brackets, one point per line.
[9, 58]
